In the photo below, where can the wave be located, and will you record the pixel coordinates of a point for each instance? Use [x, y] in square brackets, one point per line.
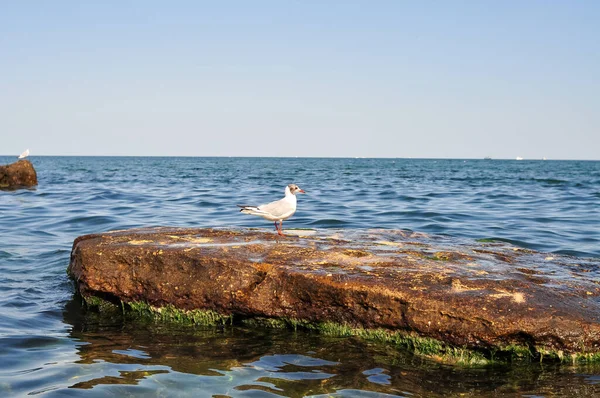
[329, 222]
[550, 181]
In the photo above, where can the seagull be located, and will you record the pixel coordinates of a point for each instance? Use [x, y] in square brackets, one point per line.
[24, 154]
[279, 210]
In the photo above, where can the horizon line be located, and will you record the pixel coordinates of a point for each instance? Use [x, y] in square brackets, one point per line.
[304, 157]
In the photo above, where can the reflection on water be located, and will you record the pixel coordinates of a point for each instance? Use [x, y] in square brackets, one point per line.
[114, 359]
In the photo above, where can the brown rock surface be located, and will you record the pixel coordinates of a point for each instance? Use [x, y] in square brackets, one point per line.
[20, 174]
[468, 294]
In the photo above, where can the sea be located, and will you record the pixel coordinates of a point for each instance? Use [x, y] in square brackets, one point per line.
[49, 347]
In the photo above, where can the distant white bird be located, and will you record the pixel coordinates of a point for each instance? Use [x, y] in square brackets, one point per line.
[279, 210]
[24, 154]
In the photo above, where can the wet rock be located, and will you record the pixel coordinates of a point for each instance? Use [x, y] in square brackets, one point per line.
[440, 292]
[20, 174]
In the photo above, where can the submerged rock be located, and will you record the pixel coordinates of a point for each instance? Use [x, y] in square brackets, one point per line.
[444, 298]
[20, 174]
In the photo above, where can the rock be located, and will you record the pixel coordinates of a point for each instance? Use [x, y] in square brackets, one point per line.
[444, 298]
[20, 174]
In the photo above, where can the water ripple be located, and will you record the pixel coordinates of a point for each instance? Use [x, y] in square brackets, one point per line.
[45, 349]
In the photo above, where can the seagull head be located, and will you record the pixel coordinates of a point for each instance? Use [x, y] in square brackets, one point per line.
[294, 189]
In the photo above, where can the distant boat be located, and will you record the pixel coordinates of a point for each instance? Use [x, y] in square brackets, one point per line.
[544, 158]
[487, 158]
[519, 158]
[24, 154]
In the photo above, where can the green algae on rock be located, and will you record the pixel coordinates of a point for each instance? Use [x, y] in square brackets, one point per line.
[420, 346]
[446, 299]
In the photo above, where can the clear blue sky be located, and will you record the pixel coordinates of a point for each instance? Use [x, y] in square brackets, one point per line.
[451, 79]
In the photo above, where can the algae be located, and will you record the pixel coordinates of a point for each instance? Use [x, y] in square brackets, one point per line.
[171, 314]
[97, 304]
[137, 310]
[421, 346]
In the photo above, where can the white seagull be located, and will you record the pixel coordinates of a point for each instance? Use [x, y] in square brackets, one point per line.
[24, 154]
[279, 210]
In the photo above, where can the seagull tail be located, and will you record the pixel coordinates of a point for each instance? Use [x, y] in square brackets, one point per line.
[251, 210]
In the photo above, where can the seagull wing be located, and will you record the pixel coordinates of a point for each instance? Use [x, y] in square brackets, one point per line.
[279, 208]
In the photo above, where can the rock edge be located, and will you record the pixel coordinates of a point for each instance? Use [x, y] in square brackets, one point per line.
[489, 298]
[20, 174]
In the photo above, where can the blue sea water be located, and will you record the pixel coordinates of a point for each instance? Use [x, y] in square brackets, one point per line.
[48, 348]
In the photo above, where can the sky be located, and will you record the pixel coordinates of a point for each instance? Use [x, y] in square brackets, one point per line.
[433, 79]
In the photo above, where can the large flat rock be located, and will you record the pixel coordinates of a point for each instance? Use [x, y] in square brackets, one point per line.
[479, 295]
[20, 174]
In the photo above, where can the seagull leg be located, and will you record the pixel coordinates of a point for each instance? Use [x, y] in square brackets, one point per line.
[280, 230]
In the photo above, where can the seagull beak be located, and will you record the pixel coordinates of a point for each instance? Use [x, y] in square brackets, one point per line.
[301, 191]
